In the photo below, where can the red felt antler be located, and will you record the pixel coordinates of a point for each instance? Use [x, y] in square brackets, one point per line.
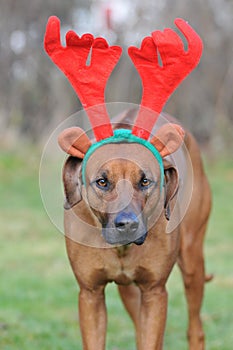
[88, 81]
[158, 81]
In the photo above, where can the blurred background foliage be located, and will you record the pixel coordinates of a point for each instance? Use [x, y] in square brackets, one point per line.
[35, 96]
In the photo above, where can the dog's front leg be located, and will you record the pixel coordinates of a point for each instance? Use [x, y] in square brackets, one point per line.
[93, 318]
[153, 318]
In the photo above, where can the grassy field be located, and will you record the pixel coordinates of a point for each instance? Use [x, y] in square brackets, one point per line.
[38, 293]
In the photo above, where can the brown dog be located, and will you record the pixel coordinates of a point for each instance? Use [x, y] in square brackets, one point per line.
[122, 200]
[138, 202]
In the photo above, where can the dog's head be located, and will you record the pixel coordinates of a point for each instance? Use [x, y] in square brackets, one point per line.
[124, 183]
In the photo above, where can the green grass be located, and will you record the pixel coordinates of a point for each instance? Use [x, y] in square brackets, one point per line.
[38, 293]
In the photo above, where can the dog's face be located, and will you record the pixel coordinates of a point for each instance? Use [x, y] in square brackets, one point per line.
[122, 189]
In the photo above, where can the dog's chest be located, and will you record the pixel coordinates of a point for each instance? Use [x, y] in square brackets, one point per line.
[123, 272]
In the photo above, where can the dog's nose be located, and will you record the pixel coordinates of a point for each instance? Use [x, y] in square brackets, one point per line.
[126, 222]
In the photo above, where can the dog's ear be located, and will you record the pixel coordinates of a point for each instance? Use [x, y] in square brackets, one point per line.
[171, 186]
[74, 141]
[72, 181]
[168, 139]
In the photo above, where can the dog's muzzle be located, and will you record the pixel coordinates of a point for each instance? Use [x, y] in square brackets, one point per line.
[127, 228]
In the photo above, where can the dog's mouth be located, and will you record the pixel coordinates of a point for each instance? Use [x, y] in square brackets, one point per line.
[116, 240]
[141, 240]
[125, 232]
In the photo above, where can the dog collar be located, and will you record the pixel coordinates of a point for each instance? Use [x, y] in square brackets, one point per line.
[123, 136]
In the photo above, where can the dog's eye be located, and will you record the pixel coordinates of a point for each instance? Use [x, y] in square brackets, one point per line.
[102, 183]
[145, 182]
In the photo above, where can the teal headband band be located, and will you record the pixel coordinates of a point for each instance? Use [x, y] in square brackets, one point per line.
[123, 136]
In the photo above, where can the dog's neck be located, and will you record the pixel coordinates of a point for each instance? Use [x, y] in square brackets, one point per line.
[122, 250]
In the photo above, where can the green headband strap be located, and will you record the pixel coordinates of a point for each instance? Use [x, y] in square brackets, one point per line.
[123, 136]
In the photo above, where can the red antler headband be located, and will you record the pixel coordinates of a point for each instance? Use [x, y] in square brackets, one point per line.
[158, 81]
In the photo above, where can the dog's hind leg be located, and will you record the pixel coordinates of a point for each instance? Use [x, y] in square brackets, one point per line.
[131, 298]
[191, 263]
